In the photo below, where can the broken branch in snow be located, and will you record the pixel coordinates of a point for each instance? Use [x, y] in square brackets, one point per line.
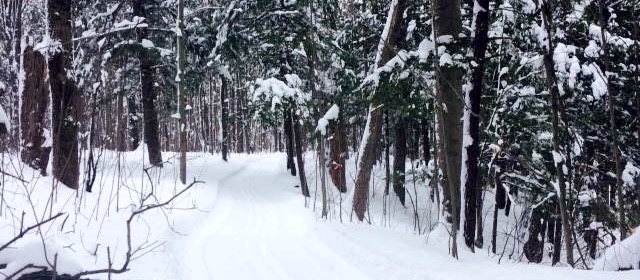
[24, 231]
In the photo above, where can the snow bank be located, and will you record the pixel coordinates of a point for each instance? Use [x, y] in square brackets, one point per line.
[622, 255]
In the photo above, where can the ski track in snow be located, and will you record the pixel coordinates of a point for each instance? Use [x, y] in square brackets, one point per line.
[257, 228]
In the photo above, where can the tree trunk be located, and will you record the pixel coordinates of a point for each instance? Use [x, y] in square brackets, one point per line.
[35, 102]
[134, 123]
[337, 154]
[533, 248]
[299, 155]
[399, 159]
[182, 96]
[613, 134]
[555, 110]
[150, 116]
[448, 24]
[471, 188]
[288, 131]
[65, 98]
[224, 117]
[367, 151]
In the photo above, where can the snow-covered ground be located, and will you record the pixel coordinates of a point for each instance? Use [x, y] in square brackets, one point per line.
[246, 221]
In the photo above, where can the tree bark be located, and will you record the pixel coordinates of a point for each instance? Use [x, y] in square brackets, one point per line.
[399, 159]
[224, 117]
[447, 26]
[65, 97]
[373, 128]
[35, 103]
[299, 155]
[471, 188]
[182, 96]
[337, 154]
[150, 116]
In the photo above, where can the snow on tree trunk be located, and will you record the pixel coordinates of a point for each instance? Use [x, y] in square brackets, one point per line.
[472, 122]
[555, 111]
[373, 128]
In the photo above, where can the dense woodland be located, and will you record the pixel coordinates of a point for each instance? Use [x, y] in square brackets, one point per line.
[532, 103]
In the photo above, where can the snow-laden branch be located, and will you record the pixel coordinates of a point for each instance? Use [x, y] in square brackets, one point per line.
[323, 122]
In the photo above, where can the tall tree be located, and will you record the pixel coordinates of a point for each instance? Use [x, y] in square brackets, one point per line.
[65, 98]
[35, 103]
[447, 27]
[472, 189]
[182, 96]
[368, 146]
[554, 91]
[613, 133]
[150, 116]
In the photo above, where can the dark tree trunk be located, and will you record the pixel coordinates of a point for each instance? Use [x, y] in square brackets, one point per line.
[471, 188]
[121, 129]
[533, 248]
[399, 159]
[288, 131]
[35, 102]
[150, 116]
[494, 230]
[66, 99]
[134, 122]
[299, 155]
[224, 118]
[337, 154]
[426, 146]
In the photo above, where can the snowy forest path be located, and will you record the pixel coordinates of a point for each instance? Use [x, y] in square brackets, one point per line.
[257, 228]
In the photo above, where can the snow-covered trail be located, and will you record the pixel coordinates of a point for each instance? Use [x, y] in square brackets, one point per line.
[254, 226]
[258, 229]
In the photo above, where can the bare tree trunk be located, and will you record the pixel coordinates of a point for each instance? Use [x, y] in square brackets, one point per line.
[66, 100]
[224, 117]
[337, 154]
[134, 122]
[288, 131]
[472, 190]
[182, 96]
[555, 111]
[150, 116]
[373, 128]
[299, 155]
[35, 102]
[447, 26]
[399, 159]
[613, 133]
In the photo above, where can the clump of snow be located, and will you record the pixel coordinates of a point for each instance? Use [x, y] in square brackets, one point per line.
[278, 91]
[323, 122]
[4, 119]
[629, 174]
[622, 255]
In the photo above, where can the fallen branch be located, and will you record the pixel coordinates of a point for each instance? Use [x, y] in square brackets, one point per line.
[24, 231]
